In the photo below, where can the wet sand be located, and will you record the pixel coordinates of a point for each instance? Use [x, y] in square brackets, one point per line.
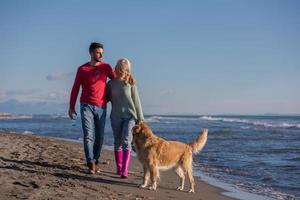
[36, 167]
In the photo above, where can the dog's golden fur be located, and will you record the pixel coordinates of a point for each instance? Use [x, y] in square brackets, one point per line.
[156, 153]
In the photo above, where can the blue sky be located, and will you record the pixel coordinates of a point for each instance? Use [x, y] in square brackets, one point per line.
[191, 57]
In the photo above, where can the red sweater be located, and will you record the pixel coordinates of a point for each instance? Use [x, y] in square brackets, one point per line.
[93, 82]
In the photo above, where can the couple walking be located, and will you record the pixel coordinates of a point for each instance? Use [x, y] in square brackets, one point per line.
[121, 91]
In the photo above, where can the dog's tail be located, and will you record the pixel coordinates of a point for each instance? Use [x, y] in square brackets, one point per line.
[198, 144]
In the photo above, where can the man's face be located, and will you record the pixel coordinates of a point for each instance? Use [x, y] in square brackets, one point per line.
[97, 54]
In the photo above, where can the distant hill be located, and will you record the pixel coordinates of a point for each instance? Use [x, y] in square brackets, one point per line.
[2, 114]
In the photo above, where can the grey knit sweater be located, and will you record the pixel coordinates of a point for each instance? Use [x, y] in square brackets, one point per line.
[124, 99]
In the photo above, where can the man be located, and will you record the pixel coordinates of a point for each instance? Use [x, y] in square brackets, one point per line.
[92, 77]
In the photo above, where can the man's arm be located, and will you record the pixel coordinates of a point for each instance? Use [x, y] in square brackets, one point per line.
[111, 73]
[74, 94]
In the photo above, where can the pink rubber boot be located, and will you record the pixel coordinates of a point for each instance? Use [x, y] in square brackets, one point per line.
[119, 160]
[125, 166]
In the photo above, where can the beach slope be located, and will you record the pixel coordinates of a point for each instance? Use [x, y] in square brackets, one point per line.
[36, 167]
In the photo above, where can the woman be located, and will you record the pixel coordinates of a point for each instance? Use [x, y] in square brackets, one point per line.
[126, 111]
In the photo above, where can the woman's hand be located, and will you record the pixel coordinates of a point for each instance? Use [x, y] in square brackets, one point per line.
[132, 81]
[138, 121]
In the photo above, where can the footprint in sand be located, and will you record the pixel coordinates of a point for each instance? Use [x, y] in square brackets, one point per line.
[32, 184]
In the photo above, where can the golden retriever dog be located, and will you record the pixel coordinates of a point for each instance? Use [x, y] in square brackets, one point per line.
[157, 154]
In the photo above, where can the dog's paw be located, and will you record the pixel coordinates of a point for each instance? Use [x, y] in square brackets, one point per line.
[143, 186]
[152, 188]
[179, 188]
[191, 191]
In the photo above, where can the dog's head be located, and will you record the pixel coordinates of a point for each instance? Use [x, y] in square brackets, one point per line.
[141, 130]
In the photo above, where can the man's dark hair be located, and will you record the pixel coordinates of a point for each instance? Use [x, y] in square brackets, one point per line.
[95, 45]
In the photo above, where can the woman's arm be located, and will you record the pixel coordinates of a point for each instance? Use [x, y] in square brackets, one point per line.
[137, 102]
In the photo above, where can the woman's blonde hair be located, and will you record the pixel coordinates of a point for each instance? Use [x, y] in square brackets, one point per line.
[123, 66]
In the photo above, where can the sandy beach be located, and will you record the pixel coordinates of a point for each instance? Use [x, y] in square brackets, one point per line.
[35, 167]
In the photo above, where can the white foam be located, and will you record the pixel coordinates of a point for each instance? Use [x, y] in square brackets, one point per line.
[28, 133]
[230, 190]
[169, 119]
[253, 122]
[152, 119]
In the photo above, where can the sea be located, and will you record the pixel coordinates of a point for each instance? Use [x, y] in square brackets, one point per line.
[257, 157]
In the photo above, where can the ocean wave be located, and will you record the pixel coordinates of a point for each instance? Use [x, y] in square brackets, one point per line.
[279, 150]
[53, 116]
[169, 119]
[152, 119]
[28, 133]
[245, 127]
[245, 186]
[294, 159]
[252, 122]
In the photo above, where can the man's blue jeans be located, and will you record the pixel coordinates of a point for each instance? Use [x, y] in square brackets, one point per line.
[93, 123]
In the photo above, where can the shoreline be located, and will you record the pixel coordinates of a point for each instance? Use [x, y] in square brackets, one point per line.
[40, 167]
